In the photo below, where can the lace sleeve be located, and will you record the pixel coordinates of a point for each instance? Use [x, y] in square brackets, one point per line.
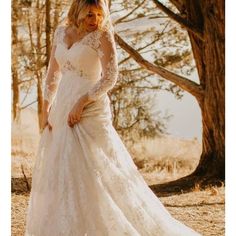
[53, 72]
[107, 53]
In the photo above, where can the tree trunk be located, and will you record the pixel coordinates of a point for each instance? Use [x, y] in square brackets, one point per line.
[48, 30]
[210, 58]
[40, 100]
[210, 63]
[15, 79]
[207, 19]
[16, 94]
[38, 72]
[57, 9]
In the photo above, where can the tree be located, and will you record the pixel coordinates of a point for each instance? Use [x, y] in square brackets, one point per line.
[135, 113]
[204, 22]
[32, 29]
[15, 76]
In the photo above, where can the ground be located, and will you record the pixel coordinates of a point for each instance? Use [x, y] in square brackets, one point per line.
[201, 210]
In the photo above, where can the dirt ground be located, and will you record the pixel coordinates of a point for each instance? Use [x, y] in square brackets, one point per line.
[201, 210]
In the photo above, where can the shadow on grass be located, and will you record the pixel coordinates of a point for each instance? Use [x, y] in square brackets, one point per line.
[183, 185]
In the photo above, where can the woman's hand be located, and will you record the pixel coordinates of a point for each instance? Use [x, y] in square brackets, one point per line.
[44, 120]
[75, 114]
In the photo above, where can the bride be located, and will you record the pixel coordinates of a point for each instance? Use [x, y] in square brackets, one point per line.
[84, 181]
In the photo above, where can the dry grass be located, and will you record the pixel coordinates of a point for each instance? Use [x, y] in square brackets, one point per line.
[165, 158]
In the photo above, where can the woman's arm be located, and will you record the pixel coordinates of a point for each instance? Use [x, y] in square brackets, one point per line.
[52, 75]
[51, 83]
[108, 56]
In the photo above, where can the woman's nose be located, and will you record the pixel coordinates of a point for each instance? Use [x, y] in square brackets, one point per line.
[94, 19]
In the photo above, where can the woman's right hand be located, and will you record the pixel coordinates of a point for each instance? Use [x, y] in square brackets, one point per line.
[44, 120]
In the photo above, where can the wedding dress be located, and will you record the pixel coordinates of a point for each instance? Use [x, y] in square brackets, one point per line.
[84, 181]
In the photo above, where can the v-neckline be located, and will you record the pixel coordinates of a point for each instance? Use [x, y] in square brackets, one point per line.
[75, 43]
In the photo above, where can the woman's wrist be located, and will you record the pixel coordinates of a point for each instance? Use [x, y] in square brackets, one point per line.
[46, 107]
[85, 99]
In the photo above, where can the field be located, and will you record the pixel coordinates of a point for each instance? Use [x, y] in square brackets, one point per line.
[159, 160]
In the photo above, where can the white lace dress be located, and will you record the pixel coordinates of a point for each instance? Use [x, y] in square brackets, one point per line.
[84, 181]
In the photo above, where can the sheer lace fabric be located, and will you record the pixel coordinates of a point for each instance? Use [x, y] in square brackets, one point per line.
[104, 45]
[84, 181]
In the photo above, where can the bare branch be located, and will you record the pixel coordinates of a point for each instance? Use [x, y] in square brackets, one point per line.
[26, 95]
[182, 21]
[119, 10]
[130, 70]
[25, 81]
[184, 83]
[28, 104]
[130, 13]
[25, 178]
[149, 44]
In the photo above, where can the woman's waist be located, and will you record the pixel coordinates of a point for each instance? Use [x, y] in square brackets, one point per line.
[80, 74]
[99, 109]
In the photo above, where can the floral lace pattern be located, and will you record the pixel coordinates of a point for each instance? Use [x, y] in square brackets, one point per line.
[104, 44]
[50, 87]
[53, 71]
[84, 181]
[67, 66]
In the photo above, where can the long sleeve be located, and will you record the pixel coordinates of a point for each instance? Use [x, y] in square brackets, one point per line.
[53, 73]
[108, 57]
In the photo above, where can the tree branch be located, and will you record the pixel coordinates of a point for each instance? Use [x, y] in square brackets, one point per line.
[130, 13]
[25, 81]
[183, 22]
[184, 83]
[149, 44]
[179, 5]
[28, 104]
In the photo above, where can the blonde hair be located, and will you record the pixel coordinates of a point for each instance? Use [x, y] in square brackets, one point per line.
[79, 9]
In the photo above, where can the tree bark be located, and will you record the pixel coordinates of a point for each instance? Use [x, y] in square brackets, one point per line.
[209, 55]
[16, 94]
[212, 77]
[48, 30]
[15, 79]
[40, 99]
[38, 73]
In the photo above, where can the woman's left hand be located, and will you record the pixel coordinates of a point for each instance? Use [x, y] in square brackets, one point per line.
[75, 114]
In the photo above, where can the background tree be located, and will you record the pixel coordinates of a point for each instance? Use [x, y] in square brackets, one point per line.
[32, 27]
[133, 97]
[15, 85]
[204, 22]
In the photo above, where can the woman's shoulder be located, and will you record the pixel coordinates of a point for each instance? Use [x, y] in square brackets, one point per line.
[60, 28]
[59, 34]
[102, 35]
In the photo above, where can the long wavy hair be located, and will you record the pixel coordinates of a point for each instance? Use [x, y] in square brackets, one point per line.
[79, 9]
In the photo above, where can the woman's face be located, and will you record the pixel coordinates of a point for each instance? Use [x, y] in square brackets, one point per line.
[93, 18]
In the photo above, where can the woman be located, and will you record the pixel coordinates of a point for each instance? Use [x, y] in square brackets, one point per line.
[84, 180]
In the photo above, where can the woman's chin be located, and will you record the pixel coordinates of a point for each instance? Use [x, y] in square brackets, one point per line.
[92, 28]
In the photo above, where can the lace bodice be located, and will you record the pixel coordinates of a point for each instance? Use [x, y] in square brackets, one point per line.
[94, 57]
